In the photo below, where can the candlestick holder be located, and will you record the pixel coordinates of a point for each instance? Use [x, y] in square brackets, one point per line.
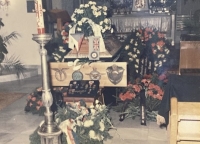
[49, 131]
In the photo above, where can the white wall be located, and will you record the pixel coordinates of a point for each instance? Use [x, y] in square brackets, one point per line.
[25, 24]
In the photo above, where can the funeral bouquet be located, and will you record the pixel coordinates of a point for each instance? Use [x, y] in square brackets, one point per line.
[80, 124]
[129, 98]
[89, 18]
[146, 50]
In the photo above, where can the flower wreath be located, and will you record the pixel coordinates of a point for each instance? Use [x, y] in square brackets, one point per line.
[145, 42]
[93, 12]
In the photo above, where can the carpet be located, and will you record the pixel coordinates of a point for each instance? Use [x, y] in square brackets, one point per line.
[8, 98]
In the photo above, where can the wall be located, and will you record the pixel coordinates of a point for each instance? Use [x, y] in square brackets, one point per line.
[25, 24]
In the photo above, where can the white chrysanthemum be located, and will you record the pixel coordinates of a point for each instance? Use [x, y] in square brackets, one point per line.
[134, 49]
[126, 47]
[136, 66]
[81, 5]
[99, 7]
[131, 59]
[164, 60]
[96, 101]
[90, 2]
[102, 126]
[159, 56]
[104, 13]
[101, 23]
[79, 123]
[105, 8]
[78, 29]
[162, 56]
[137, 34]
[81, 11]
[106, 20]
[93, 111]
[130, 54]
[137, 60]
[154, 51]
[88, 123]
[73, 19]
[136, 71]
[86, 5]
[138, 52]
[93, 8]
[136, 44]
[78, 11]
[80, 23]
[134, 56]
[92, 134]
[97, 106]
[94, 3]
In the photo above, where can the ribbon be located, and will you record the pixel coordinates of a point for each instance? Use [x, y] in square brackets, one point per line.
[67, 127]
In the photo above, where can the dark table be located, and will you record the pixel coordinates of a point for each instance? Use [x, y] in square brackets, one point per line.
[186, 88]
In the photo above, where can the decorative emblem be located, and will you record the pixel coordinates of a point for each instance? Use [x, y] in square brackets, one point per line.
[115, 73]
[77, 75]
[94, 55]
[60, 74]
[95, 75]
[94, 45]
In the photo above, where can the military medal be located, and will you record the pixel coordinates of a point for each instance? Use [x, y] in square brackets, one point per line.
[95, 75]
[77, 75]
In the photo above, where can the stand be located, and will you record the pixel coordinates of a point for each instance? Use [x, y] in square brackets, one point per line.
[49, 131]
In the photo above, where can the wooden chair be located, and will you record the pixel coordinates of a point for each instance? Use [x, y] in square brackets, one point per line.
[184, 125]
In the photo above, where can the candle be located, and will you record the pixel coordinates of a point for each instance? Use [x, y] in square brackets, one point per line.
[39, 16]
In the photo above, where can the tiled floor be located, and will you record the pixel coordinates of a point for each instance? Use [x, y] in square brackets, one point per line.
[16, 125]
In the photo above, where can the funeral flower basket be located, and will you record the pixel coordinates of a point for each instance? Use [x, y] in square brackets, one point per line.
[80, 124]
[129, 98]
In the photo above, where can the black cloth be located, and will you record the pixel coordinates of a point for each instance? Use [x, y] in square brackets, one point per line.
[185, 88]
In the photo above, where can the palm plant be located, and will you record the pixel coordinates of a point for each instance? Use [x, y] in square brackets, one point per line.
[12, 64]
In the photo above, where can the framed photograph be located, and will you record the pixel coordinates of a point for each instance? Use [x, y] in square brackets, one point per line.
[140, 5]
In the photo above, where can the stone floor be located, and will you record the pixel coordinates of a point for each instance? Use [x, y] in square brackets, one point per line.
[16, 125]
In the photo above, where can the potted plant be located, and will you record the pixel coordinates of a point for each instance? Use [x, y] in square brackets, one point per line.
[12, 64]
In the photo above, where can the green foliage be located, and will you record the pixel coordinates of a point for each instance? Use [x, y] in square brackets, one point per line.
[35, 138]
[13, 64]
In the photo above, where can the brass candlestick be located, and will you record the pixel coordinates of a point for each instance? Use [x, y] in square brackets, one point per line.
[49, 131]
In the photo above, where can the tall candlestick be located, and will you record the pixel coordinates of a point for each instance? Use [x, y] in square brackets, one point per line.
[39, 16]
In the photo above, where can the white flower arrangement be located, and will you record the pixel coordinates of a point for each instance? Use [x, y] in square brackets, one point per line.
[86, 125]
[91, 11]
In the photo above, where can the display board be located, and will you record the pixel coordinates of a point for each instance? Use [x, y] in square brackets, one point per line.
[112, 74]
